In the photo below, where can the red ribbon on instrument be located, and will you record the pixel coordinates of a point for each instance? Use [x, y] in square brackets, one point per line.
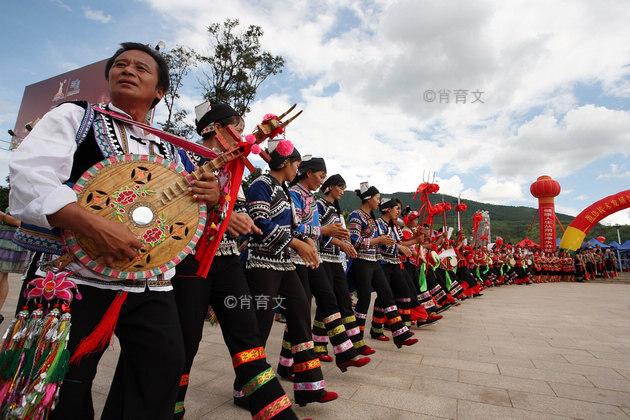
[207, 247]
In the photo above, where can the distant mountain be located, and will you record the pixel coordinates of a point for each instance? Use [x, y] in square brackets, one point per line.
[512, 223]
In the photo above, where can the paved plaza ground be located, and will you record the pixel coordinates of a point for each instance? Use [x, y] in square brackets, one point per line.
[546, 351]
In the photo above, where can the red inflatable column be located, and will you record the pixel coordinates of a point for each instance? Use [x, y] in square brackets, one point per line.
[545, 189]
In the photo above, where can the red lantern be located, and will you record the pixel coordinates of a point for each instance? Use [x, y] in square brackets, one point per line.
[545, 187]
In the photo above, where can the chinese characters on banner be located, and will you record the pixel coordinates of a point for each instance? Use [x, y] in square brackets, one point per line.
[601, 209]
[548, 227]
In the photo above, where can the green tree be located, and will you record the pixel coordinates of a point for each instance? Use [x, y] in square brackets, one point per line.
[236, 66]
[4, 196]
[180, 61]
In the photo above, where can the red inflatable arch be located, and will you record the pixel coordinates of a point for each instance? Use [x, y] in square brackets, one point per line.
[590, 216]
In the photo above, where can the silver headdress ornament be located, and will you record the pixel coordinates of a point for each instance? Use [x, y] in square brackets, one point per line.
[272, 144]
[202, 109]
[364, 186]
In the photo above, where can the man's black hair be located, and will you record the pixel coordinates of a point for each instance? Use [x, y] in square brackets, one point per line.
[163, 74]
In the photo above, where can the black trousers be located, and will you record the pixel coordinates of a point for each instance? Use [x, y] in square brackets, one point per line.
[226, 290]
[402, 294]
[367, 275]
[308, 383]
[412, 276]
[436, 290]
[465, 275]
[337, 276]
[150, 362]
[328, 320]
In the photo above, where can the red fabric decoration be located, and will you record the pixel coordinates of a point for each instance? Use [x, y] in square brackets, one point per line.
[476, 219]
[426, 188]
[102, 334]
[426, 209]
[278, 130]
[209, 242]
[461, 207]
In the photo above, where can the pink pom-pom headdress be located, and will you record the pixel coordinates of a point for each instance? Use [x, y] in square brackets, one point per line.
[282, 147]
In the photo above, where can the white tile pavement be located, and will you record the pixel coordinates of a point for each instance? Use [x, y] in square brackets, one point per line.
[548, 351]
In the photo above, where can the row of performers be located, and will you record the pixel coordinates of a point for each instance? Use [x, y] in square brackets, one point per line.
[300, 252]
[596, 262]
[293, 252]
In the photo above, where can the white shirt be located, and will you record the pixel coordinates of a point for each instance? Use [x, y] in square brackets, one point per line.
[43, 162]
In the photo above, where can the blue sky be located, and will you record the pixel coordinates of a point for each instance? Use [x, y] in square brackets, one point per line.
[555, 82]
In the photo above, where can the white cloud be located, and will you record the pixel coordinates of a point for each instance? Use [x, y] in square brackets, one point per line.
[61, 4]
[451, 186]
[497, 191]
[560, 147]
[97, 15]
[526, 58]
[616, 171]
[571, 211]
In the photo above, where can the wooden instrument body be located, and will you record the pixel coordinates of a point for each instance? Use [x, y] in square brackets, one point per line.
[124, 186]
[120, 186]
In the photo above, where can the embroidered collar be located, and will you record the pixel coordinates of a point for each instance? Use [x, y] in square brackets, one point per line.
[111, 107]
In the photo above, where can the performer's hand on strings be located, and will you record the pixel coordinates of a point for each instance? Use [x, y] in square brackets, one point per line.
[115, 241]
[206, 188]
[242, 224]
[336, 230]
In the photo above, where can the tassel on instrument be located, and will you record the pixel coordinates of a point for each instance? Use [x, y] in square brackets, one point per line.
[100, 337]
[208, 246]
